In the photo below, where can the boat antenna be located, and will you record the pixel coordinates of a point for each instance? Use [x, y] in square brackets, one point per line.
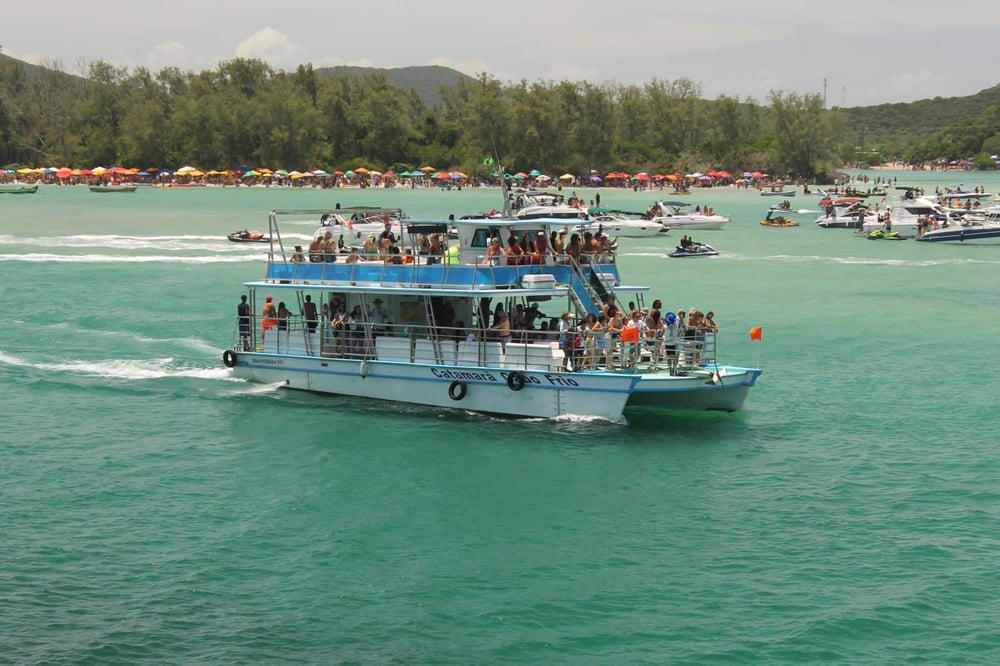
[494, 160]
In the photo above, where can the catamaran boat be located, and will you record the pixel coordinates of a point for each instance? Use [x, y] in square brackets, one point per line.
[432, 330]
[677, 215]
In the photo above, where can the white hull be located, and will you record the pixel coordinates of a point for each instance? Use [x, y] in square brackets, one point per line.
[624, 229]
[685, 222]
[545, 394]
[974, 234]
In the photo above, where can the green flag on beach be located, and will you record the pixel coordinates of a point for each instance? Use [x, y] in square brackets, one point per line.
[488, 161]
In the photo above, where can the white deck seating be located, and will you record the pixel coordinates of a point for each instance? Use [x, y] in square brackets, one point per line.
[424, 352]
[535, 356]
[392, 349]
[468, 354]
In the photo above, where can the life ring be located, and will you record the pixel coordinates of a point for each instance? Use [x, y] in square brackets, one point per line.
[457, 390]
[515, 381]
[229, 358]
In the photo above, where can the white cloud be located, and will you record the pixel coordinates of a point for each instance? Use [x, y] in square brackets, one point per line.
[272, 47]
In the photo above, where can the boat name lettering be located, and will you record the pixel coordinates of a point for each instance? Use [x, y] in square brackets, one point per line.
[560, 381]
[462, 375]
[257, 360]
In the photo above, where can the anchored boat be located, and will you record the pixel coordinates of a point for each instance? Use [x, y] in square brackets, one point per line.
[435, 329]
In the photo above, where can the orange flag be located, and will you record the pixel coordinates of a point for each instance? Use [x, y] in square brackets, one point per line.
[757, 333]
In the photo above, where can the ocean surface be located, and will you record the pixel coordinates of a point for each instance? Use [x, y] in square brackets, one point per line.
[153, 510]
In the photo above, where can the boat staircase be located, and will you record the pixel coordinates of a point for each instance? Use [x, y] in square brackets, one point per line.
[589, 287]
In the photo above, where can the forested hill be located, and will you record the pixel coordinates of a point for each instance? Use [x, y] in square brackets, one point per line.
[903, 124]
[425, 81]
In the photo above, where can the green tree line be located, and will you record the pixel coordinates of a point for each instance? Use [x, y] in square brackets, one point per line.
[246, 113]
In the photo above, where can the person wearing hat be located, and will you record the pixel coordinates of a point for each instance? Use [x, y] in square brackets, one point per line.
[670, 341]
[268, 315]
[378, 317]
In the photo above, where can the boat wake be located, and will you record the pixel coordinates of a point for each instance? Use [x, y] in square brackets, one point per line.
[130, 258]
[126, 369]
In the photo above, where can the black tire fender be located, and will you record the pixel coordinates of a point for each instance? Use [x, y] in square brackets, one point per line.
[229, 358]
[515, 381]
[457, 390]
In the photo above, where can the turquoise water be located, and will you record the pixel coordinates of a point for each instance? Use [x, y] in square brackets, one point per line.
[155, 511]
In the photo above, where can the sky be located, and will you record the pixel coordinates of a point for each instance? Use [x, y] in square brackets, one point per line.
[852, 52]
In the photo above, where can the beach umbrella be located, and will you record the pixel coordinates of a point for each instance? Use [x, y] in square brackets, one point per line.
[186, 169]
[543, 178]
[427, 169]
[457, 175]
[64, 172]
[534, 172]
[642, 175]
[361, 170]
[98, 171]
[566, 176]
[249, 174]
[595, 178]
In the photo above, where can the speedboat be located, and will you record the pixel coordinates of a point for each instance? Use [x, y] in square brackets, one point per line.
[619, 224]
[440, 337]
[104, 189]
[534, 204]
[907, 216]
[246, 236]
[968, 232]
[846, 213]
[694, 250]
[18, 188]
[358, 222]
[673, 214]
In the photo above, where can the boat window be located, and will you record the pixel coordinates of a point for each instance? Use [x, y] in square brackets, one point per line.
[481, 237]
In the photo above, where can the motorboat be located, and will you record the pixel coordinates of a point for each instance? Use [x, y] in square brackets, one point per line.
[694, 250]
[968, 232]
[845, 213]
[906, 217]
[534, 204]
[621, 225]
[246, 236]
[442, 339]
[359, 222]
[677, 215]
[106, 189]
[18, 188]
[778, 193]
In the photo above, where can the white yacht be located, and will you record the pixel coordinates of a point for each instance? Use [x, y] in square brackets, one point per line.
[677, 215]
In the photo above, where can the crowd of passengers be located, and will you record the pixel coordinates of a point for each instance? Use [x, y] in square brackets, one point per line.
[515, 251]
[613, 337]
